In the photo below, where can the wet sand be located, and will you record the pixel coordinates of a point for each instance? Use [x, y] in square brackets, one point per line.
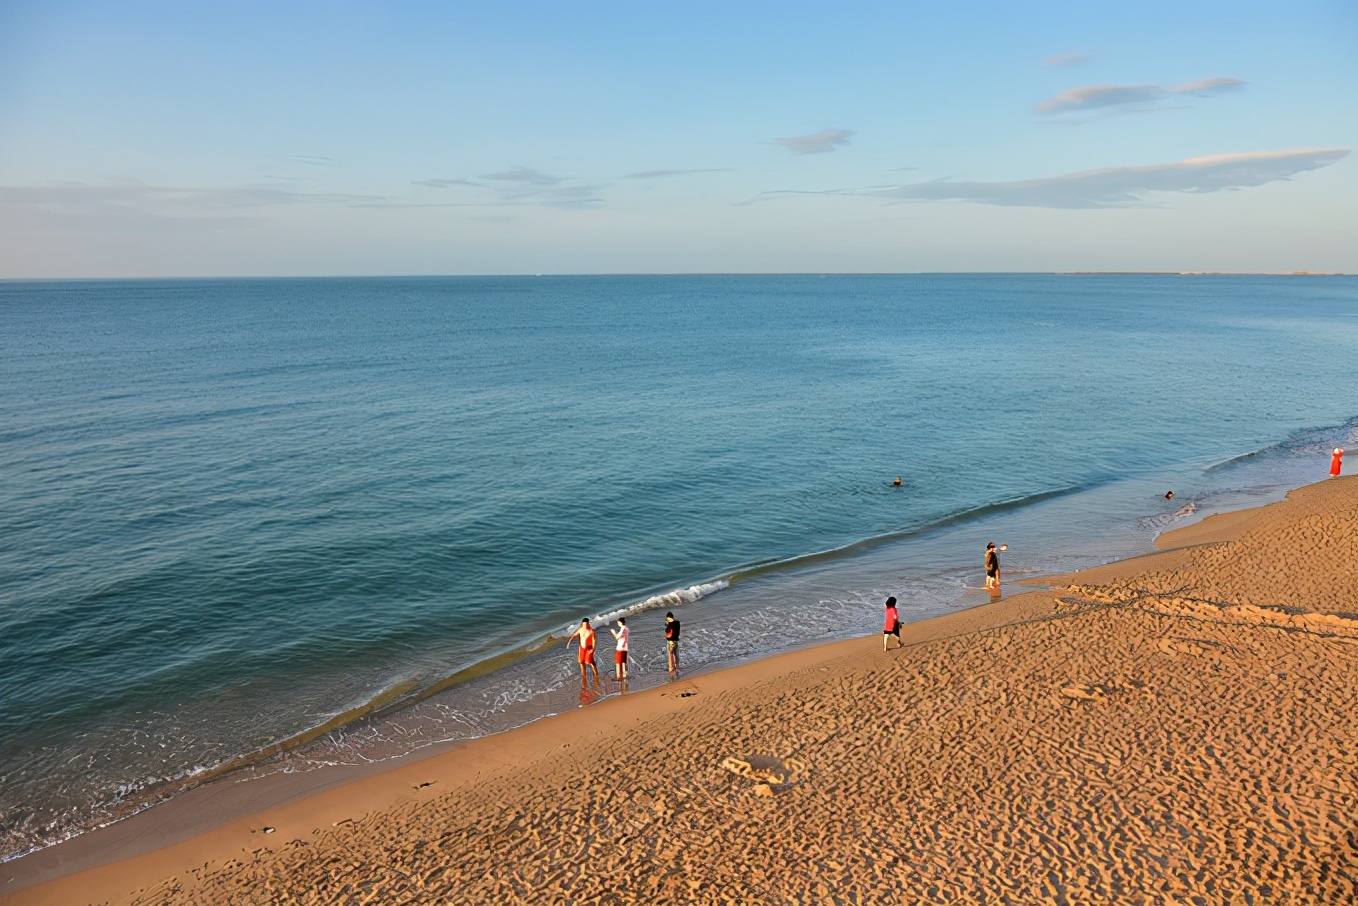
[1180, 727]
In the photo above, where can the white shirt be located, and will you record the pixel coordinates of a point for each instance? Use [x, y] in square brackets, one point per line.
[621, 636]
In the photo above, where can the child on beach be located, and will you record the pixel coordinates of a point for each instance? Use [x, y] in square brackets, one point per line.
[992, 567]
[892, 625]
[585, 635]
[621, 658]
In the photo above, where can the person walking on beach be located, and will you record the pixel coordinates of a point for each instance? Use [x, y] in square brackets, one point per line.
[1336, 462]
[992, 567]
[585, 635]
[621, 634]
[672, 641]
[892, 625]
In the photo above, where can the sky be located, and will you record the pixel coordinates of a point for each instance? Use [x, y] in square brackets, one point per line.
[169, 139]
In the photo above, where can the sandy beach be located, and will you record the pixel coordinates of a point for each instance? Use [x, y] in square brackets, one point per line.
[1177, 728]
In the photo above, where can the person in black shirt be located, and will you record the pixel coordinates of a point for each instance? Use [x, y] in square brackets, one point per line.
[672, 641]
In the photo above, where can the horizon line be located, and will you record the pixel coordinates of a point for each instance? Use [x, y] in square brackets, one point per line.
[379, 276]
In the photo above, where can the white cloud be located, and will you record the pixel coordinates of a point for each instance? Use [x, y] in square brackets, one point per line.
[1117, 187]
[1094, 97]
[817, 142]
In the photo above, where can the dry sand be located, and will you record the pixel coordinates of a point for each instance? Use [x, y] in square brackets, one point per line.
[1177, 728]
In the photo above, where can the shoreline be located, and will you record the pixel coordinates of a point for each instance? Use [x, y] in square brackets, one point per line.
[213, 833]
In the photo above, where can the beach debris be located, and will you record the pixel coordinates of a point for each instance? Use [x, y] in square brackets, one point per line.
[268, 830]
[770, 774]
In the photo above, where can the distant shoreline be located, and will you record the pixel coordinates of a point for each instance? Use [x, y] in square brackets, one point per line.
[1201, 274]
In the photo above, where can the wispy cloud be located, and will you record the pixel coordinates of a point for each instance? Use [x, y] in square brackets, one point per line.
[1065, 60]
[522, 186]
[176, 197]
[133, 204]
[1095, 97]
[447, 183]
[525, 176]
[313, 160]
[565, 198]
[1119, 187]
[660, 174]
[817, 142]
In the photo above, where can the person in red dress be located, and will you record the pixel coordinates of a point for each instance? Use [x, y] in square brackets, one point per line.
[1336, 462]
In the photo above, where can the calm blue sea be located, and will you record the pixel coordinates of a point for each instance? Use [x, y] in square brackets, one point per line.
[267, 525]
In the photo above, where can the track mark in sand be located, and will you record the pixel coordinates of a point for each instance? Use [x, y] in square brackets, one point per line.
[1192, 647]
[1094, 692]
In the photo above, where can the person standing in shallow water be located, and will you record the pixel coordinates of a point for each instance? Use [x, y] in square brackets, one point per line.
[992, 567]
[1336, 462]
[892, 626]
[621, 634]
[672, 641]
[585, 636]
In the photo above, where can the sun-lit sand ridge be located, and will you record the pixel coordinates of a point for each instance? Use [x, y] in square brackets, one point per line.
[1178, 728]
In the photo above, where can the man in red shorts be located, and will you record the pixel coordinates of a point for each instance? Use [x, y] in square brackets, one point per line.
[621, 634]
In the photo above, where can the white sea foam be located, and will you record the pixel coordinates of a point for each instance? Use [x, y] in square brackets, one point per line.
[676, 598]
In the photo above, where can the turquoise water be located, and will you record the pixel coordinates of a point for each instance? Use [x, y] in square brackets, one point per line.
[234, 512]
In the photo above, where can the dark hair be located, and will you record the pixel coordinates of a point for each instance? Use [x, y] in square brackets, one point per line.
[990, 545]
[890, 602]
[669, 615]
[622, 621]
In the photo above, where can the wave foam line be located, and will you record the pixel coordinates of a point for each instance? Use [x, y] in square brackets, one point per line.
[676, 598]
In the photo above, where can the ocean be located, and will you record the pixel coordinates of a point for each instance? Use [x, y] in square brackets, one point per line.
[250, 526]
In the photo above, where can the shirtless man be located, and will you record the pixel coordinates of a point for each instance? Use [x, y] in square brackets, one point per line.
[585, 635]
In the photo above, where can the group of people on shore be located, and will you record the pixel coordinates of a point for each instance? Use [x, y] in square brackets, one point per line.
[585, 636]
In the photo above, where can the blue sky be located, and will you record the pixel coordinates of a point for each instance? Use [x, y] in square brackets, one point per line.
[298, 138]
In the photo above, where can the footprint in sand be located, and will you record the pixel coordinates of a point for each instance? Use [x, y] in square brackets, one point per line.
[1093, 692]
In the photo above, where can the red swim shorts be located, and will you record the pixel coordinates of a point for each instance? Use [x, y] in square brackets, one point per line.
[586, 655]
[622, 657]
